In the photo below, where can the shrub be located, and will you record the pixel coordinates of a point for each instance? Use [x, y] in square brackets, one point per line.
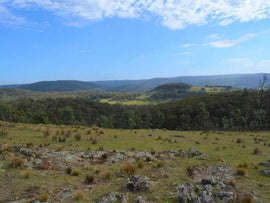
[3, 132]
[128, 168]
[257, 151]
[89, 179]
[78, 136]
[232, 183]
[78, 195]
[17, 161]
[140, 163]
[44, 197]
[75, 172]
[241, 171]
[159, 164]
[54, 137]
[239, 141]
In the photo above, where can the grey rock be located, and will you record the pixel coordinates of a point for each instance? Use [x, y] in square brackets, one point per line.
[113, 197]
[224, 196]
[140, 199]
[194, 152]
[186, 193]
[266, 172]
[211, 181]
[138, 183]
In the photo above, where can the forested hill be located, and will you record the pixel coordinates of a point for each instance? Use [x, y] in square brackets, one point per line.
[235, 110]
[250, 81]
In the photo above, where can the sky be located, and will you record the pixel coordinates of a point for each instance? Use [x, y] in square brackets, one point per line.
[93, 40]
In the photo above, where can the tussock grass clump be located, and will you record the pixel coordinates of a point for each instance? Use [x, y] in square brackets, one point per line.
[89, 132]
[78, 136]
[46, 133]
[44, 197]
[26, 174]
[101, 132]
[128, 168]
[78, 195]
[159, 164]
[3, 132]
[232, 183]
[45, 165]
[247, 199]
[243, 165]
[68, 133]
[241, 171]
[94, 141]
[140, 163]
[257, 151]
[68, 170]
[17, 161]
[107, 175]
[89, 179]
[190, 171]
[239, 141]
[75, 172]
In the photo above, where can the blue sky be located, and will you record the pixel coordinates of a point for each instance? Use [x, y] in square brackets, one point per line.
[131, 39]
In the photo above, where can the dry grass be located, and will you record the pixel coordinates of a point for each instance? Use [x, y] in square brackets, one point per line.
[128, 168]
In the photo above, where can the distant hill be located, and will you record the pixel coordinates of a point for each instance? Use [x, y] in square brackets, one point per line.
[249, 81]
[61, 85]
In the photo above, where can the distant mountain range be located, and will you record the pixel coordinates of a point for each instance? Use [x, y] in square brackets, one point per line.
[235, 80]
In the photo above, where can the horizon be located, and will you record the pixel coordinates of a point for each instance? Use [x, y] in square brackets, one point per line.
[10, 84]
[131, 40]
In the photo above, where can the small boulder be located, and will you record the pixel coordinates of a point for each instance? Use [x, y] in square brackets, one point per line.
[138, 183]
[113, 197]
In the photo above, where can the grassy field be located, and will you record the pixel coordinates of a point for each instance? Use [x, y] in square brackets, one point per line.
[22, 180]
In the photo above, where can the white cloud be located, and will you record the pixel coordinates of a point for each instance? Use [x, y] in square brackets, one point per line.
[189, 45]
[175, 14]
[9, 19]
[237, 60]
[231, 43]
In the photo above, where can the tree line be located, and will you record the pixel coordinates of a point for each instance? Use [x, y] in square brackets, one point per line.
[237, 110]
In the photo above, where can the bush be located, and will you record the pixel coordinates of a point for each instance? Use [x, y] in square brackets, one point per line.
[68, 133]
[44, 197]
[78, 136]
[17, 161]
[241, 171]
[128, 168]
[75, 172]
[257, 151]
[140, 163]
[78, 195]
[190, 171]
[89, 179]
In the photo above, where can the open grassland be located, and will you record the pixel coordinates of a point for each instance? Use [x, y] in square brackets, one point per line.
[64, 163]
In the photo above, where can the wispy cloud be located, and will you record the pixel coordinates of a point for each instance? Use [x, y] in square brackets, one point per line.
[231, 43]
[189, 45]
[237, 60]
[175, 14]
